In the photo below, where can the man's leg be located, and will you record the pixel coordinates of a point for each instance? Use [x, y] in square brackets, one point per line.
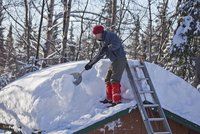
[108, 87]
[117, 68]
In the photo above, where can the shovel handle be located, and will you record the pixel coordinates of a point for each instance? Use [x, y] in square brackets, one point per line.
[82, 71]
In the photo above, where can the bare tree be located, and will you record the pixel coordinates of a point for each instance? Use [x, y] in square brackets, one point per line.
[121, 14]
[50, 9]
[82, 31]
[197, 71]
[10, 52]
[49, 33]
[2, 49]
[72, 44]
[136, 41]
[114, 9]
[13, 17]
[163, 29]
[107, 12]
[66, 20]
[134, 48]
[27, 28]
[39, 32]
[150, 28]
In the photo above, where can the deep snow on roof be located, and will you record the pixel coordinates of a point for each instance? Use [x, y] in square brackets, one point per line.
[47, 100]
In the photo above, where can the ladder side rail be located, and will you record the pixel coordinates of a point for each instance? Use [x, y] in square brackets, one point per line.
[150, 83]
[134, 87]
[161, 112]
[139, 81]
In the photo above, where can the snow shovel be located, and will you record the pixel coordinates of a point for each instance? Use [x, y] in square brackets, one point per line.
[77, 77]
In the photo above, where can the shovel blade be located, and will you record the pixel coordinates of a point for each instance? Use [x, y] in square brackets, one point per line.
[77, 78]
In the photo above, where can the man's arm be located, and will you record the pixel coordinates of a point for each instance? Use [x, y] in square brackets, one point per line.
[94, 60]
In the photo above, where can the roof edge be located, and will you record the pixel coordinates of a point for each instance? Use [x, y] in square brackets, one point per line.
[182, 120]
[104, 121]
[168, 114]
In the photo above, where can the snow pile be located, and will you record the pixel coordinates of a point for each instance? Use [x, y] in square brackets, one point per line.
[48, 101]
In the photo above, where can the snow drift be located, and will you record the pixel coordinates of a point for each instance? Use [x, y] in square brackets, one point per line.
[47, 100]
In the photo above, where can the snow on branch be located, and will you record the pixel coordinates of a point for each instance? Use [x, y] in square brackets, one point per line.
[188, 26]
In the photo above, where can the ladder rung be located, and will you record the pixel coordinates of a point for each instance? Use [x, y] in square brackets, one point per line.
[139, 66]
[162, 133]
[151, 105]
[156, 119]
[146, 91]
[140, 79]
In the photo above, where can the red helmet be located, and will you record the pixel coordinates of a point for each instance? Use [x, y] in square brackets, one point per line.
[97, 29]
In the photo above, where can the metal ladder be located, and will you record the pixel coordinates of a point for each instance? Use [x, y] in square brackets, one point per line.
[146, 108]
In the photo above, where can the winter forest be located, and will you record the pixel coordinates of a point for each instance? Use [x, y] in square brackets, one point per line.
[36, 34]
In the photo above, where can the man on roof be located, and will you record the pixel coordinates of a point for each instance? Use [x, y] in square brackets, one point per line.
[112, 47]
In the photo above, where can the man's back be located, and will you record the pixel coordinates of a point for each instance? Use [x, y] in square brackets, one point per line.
[115, 47]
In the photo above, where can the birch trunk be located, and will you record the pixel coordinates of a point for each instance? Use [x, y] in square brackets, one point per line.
[66, 19]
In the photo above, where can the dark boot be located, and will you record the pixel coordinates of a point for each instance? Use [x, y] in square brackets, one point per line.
[114, 104]
[105, 101]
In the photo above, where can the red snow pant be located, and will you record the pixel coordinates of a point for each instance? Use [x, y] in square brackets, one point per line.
[113, 92]
[113, 78]
[109, 91]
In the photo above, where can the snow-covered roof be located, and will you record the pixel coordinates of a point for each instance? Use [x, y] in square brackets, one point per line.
[47, 100]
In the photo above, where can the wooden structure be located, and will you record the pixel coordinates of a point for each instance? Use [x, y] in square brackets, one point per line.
[131, 123]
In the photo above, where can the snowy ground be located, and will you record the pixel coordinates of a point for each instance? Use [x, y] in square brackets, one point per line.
[47, 100]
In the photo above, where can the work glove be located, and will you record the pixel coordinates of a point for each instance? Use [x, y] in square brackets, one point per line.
[88, 66]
